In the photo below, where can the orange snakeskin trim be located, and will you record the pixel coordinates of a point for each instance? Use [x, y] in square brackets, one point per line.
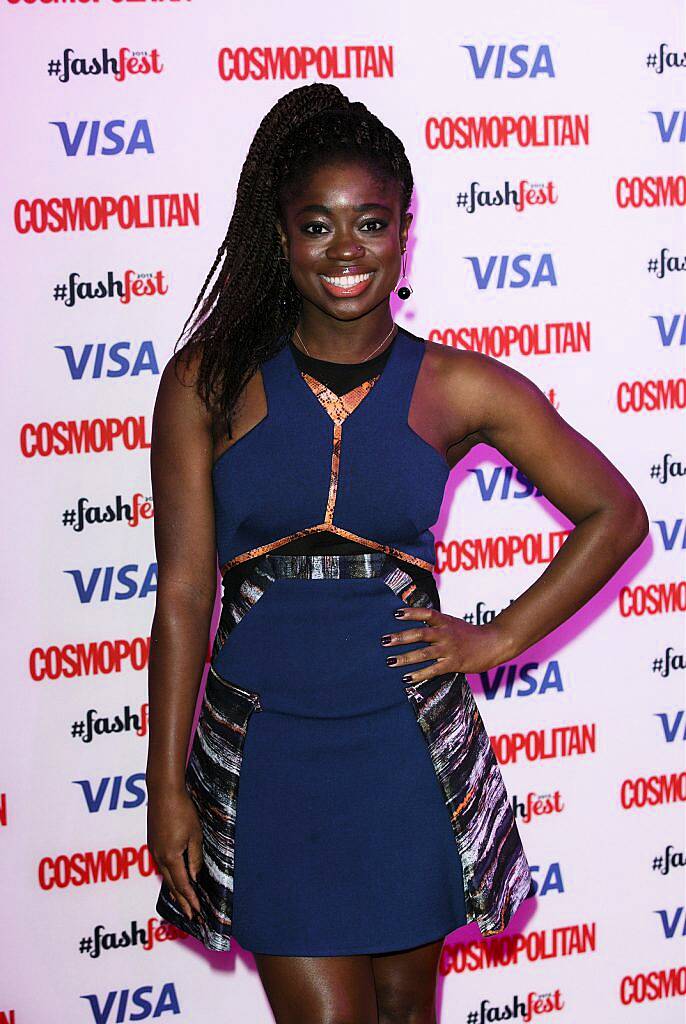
[329, 527]
[339, 408]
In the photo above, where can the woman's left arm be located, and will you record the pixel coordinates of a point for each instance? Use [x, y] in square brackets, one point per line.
[495, 404]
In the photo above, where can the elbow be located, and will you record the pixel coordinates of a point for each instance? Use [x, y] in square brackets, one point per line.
[634, 521]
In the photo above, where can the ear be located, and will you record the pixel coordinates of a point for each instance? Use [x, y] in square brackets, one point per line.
[283, 237]
[405, 229]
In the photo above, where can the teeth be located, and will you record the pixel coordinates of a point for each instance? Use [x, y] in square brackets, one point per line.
[349, 281]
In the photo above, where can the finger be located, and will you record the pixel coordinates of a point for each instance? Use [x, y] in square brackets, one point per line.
[420, 634]
[422, 674]
[175, 895]
[182, 883]
[430, 615]
[195, 854]
[413, 657]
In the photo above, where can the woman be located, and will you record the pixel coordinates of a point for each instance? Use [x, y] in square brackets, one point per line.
[306, 439]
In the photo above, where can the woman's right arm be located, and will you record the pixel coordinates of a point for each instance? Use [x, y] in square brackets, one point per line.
[181, 470]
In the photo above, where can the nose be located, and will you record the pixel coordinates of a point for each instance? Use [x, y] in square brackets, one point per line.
[344, 247]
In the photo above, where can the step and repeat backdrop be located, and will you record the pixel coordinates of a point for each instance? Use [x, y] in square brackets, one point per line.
[547, 145]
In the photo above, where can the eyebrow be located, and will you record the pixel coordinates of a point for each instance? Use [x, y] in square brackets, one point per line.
[319, 208]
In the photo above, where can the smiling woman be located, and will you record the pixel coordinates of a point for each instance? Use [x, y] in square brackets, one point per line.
[342, 809]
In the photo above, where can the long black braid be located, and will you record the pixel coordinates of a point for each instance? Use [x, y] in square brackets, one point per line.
[253, 301]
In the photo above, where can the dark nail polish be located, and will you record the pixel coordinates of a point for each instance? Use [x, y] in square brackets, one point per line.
[386, 639]
[399, 612]
[391, 661]
[407, 678]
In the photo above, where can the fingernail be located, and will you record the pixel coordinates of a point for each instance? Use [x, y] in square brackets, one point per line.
[391, 661]
[399, 612]
[386, 639]
[407, 678]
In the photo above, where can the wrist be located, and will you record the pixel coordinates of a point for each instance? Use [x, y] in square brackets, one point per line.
[505, 644]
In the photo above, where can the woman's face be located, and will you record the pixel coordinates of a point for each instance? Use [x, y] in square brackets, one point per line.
[343, 235]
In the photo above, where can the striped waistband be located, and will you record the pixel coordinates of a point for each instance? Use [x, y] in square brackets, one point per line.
[360, 565]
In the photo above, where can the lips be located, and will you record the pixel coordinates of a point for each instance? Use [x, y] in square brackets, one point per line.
[346, 285]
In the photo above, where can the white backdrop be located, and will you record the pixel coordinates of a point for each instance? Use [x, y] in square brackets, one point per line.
[589, 725]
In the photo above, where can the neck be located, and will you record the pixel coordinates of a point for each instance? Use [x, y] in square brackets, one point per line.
[339, 341]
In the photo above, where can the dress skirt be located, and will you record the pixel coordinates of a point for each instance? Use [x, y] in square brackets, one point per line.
[326, 811]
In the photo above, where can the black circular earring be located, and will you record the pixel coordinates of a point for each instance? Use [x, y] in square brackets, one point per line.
[405, 291]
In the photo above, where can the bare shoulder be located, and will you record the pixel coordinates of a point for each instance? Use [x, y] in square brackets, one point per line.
[177, 393]
[479, 385]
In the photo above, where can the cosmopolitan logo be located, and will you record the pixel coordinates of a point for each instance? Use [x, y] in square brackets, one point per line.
[519, 61]
[505, 340]
[522, 680]
[651, 395]
[672, 333]
[82, 437]
[143, 1003]
[498, 951]
[136, 510]
[673, 725]
[537, 805]
[668, 663]
[520, 271]
[260, 63]
[502, 483]
[498, 552]
[109, 583]
[93, 725]
[672, 534]
[519, 197]
[501, 131]
[144, 936]
[126, 63]
[527, 1008]
[95, 867]
[665, 983]
[653, 791]
[61, 214]
[666, 59]
[651, 191]
[673, 922]
[108, 138]
[132, 285]
[113, 793]
[671, 126]
[545, 744]
[652, 599]
[97, 658]
[120, 359]
[669, 860]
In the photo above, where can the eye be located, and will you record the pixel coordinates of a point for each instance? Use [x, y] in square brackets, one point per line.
[383, 224]
[313, 224]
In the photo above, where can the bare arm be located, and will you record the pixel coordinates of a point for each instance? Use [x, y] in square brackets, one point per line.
[181, 465]
[483, 400]
[609, 518]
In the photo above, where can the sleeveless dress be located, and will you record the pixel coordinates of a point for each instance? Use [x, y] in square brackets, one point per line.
[343, 810]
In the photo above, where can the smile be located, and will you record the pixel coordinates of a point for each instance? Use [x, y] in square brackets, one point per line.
[347, 284]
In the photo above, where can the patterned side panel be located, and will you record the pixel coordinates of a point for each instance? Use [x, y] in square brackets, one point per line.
[496, 874]
[212, 778]
[238, 599]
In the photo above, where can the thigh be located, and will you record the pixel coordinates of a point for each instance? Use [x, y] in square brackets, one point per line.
[318, 989]
[405, 983]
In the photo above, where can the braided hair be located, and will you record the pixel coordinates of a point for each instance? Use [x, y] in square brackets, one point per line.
[253, 302]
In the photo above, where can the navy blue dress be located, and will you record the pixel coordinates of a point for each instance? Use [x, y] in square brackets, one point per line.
[326, 830]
